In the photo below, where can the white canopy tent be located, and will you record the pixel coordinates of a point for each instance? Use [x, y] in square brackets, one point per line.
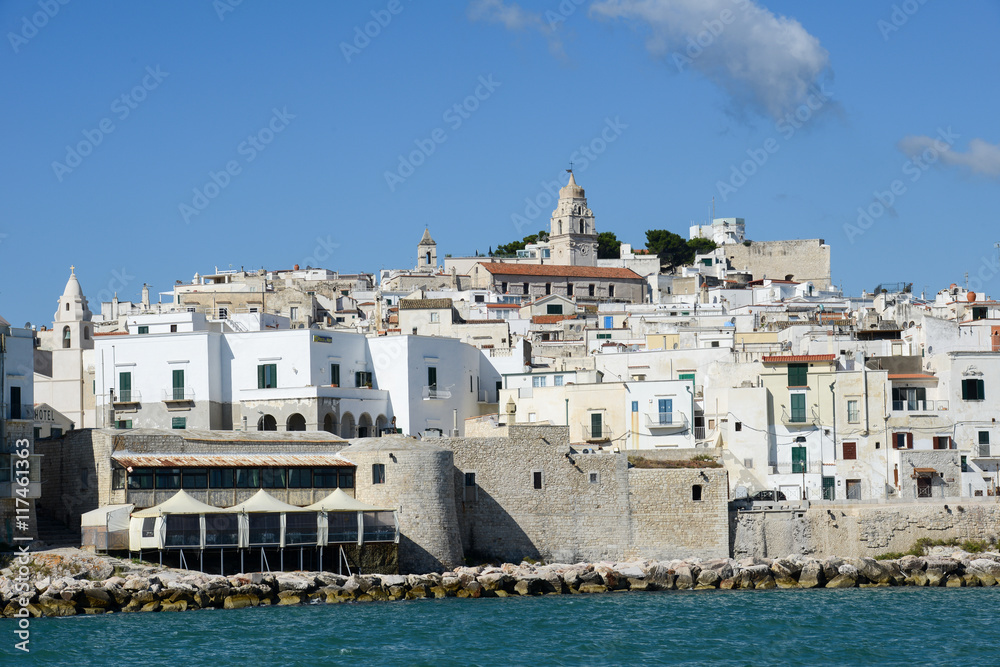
[335, 520]
[148, 527]
[106, 528]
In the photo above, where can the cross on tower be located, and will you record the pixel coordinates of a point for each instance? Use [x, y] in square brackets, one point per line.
[570, 170]
[72, 269]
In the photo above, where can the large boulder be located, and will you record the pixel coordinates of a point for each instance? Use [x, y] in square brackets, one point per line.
[812, 575]
[660, 576]
[708, 579]
[842, 581]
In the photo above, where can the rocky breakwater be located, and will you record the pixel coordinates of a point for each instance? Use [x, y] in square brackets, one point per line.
[97, 586]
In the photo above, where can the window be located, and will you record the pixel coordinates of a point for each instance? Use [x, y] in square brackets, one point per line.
[503, 287]
[603, 336]
[569, 289]
[143, 330]
[538, 381]
[195, 478]
[322, 478]
[432, 377]
[178, 422]
[715, 343]
[595, 478]
[596, 426]
[293, 313]
[798, 402]
[696, 492]
[347, 478]
[121, 423]
[536, 479]
[558, 381]
[854, 489]
[273, 478]
[335, 375]
[177, 381]
[984, 437]
[267, 376]
[942, 442]
[554, 309]
[168, 478]
[148, 526]
[590, 290]
[798, 375]
[739, 426]
[435, 317]
[665, 407]
[965, 464]
[173, 328]
[548, 288]
[223, 313]
[118, 479]
[378, 473]
[363, 379]
[248, 478]
[220, 478]
[526, 288]
[902, 441]
[850, 451]
[853, 413]
[141, 479]
[470, 487]
[56, 431]
[973, 390]
[611, 290]
[301, 478]
[979, 313]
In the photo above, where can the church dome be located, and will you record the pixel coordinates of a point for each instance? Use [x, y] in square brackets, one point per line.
[73, 288]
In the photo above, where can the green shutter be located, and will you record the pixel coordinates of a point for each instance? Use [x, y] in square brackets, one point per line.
[125, 386]
[798, 402]
[260, 376]
[178, 385]
[980, 390]
[596, 430]
[432, 377]
[798, 375]
[335, 374]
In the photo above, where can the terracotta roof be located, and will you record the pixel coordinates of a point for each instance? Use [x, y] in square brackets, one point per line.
[798, 358]
[512, 306]
[911, 376]
[559, 271]
[551, 319]
[111, 333]
[222, 460]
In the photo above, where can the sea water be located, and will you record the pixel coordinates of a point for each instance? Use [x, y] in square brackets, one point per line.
[786, 627]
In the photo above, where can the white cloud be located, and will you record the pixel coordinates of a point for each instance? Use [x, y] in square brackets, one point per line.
[765, 63]
[982, 157]
[513, 17]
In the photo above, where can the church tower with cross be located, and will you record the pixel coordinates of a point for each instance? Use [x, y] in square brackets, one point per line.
[572, 235]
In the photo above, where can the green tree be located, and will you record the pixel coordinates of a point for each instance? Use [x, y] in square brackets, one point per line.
[608, 246]
[512, 247]
[673, 250]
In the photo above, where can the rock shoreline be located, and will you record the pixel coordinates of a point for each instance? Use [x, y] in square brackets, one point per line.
[79, 583]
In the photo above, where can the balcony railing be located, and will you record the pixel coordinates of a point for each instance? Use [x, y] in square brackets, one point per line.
[178, 394]
[919, 406]
[666, 421]
[127, 396]
[983, 452]
[432, 393]
[796, 468]
[795, 418]
[600, 433]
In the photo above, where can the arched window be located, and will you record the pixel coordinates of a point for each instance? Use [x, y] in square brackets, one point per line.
[267, 423]
[67, 305]
[581, 226]
[295, 422]
[67, 337]
[427, 259]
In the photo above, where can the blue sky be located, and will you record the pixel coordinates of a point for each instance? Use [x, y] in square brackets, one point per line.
[265, 134]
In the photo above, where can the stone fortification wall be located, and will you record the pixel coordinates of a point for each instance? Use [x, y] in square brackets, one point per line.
[590, 507]
[76, 474]
[417, 482]
[862, 530]
[803, 259]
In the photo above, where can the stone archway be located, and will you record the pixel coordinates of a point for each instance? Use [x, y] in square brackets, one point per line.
[295, 422]
[267, 423]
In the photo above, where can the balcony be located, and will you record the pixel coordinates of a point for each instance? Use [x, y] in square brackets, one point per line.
[984, 452]
[795, 419]
[178, 395]
[796, 468]
[666, 421]
[600, 433]
[431, 392]
[920, 406]
[127, 397]
[23, 411]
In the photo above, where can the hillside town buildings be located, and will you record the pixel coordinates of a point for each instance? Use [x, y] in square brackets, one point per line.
[749, 356]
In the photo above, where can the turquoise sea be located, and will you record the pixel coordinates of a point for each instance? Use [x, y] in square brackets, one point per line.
[891, 626]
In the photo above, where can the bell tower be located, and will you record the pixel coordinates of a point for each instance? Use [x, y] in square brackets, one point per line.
[573, 235]
[426, 253]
